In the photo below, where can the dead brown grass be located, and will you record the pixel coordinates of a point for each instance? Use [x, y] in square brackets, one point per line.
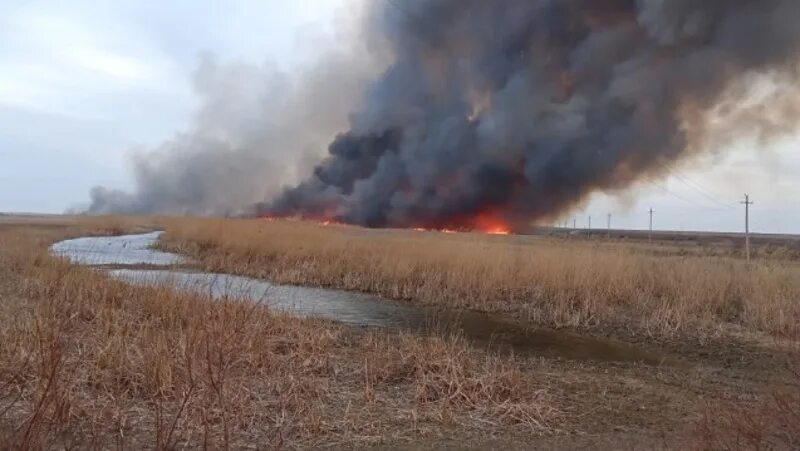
[555, 282]
[772, 423]
[89, 362]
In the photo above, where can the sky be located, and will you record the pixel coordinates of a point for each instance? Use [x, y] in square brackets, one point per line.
[85, 84]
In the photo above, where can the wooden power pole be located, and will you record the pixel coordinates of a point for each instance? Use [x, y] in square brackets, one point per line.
[589, 230]
[747, 203]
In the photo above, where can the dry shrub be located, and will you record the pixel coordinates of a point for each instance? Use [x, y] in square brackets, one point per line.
[463, 384]
[557, 282]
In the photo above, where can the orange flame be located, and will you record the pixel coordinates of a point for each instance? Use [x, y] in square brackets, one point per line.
[483, 223]
[500, 230]
[497, 228]
[488, 223]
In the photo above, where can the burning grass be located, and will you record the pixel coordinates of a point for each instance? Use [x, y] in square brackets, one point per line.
[561, 283]
[87, 361]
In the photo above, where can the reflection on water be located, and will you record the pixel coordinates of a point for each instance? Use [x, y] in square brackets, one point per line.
[346, 307]
[342, 306]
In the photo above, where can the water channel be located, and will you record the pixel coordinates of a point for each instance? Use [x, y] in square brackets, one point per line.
[135, 260]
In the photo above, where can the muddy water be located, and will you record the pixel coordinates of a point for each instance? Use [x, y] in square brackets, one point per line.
[127, 255]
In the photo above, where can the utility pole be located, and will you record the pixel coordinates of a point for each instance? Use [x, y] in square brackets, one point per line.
[609, 226]
[589, 230]
[747, 203]
[650, 235]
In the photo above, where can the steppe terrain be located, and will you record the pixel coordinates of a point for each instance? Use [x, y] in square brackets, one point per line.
[89, 361]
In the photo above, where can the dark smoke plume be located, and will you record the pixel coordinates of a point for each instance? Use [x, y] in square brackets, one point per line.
[514, 110]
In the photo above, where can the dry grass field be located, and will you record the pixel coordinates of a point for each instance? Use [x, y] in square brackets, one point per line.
[658, 292]
[89, 362]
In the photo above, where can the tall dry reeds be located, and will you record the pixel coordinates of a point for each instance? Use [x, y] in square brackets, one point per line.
[86, 361]
[557, 282]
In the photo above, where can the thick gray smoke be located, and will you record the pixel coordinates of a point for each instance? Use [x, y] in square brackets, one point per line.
[514, 110]
[257, 129]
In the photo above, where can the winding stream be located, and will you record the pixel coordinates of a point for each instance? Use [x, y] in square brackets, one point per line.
[133, 259]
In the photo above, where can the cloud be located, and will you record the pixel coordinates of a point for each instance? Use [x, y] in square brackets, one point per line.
[62, 62]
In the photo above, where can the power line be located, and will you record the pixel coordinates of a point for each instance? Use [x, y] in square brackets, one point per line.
[678, 196]
[702, 191]
[695, 186]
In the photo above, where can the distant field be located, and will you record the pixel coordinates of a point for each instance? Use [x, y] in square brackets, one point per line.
[33, 218]
[725, 240]
[763, 245]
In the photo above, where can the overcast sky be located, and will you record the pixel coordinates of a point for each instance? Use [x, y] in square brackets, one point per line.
[85, 83]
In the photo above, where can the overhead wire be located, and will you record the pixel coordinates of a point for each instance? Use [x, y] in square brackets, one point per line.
[665, 189]
[696, 187]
